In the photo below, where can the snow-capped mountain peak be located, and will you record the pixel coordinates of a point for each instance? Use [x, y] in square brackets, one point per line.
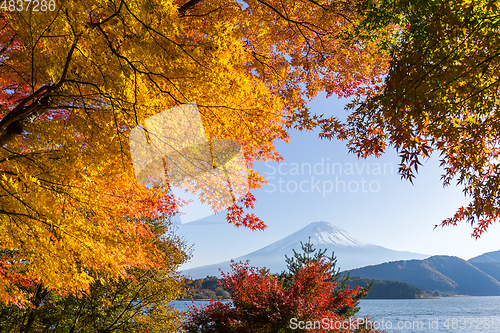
[328, 234]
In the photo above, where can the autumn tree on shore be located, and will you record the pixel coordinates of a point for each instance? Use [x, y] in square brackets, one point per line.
[310, 291]
[137, 304]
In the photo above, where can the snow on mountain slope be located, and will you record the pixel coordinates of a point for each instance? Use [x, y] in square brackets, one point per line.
[350, 252]
[320, 233]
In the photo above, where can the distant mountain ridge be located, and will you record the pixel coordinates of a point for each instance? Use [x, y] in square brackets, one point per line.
[350, 251]
[489, 256]
[447, 274]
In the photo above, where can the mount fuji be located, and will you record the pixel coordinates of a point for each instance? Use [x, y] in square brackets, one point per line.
[350, 252]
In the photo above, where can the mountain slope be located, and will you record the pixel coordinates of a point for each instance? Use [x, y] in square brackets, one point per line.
[489, 267]
[350, 251]
[386, 289]
[489, 256]
[443, 273]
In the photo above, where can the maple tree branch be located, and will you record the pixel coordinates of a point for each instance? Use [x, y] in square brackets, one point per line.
[39, 296]
[328, 9]
[109, 328]
[306, 25]
[11, 126]
[417, 83]
[204, 14]
[15, 155]
[256, 56]
[188, 5]
[5, 212]
[135, 68]
[149, 28]
[7, 45]
[117, 11]
[478, 92]
[66, 65]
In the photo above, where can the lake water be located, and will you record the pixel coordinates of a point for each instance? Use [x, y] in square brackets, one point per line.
[447, 314]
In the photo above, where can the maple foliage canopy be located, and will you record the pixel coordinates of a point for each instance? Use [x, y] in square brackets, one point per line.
[441, 95]
[75, 80]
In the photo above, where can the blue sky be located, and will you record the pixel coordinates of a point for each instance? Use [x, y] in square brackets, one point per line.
[320, 181]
